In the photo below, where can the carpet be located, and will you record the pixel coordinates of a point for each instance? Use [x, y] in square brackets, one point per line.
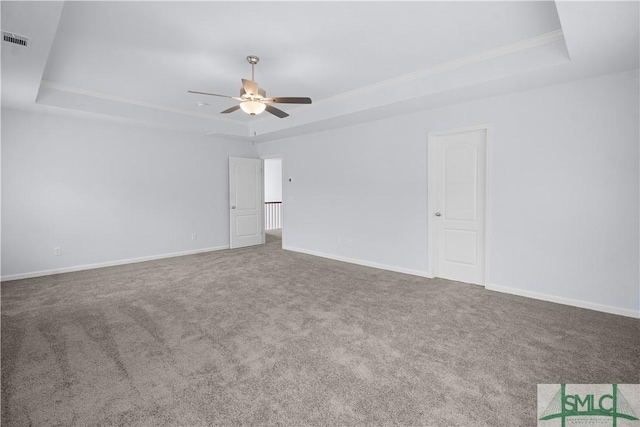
[263, 336]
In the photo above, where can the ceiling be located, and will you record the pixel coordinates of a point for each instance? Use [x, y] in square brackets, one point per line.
[358, 61]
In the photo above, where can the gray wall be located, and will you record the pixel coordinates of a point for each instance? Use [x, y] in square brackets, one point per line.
[564, 182]
[563, 210]
[106, 192]
[273, 180]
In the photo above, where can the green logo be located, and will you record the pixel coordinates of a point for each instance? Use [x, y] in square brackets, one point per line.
[612, 405]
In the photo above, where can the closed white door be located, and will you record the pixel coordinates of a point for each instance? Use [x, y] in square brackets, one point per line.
[457, 204]
[245, 202]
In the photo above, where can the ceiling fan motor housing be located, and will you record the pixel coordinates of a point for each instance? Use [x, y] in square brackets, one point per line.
[261, 93]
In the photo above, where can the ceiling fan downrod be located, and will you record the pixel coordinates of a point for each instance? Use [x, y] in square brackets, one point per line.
[253, 60]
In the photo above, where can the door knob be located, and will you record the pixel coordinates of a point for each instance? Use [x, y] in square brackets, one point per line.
[233, 207]
[438, 214]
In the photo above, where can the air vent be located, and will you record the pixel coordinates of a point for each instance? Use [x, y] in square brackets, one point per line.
[15, 39]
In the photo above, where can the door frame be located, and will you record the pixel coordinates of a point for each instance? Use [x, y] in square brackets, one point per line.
[433, 183]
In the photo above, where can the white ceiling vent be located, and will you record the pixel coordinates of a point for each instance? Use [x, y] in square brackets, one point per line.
[14, 38]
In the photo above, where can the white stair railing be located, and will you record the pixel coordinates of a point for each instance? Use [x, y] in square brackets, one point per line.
[272, 215]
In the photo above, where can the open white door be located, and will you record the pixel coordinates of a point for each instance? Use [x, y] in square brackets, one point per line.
[245, 202]
[458, 204]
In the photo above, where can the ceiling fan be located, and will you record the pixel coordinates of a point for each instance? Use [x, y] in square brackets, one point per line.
[253, 99]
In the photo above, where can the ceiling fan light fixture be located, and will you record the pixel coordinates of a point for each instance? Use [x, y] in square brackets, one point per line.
[252, 107]
[253, 99]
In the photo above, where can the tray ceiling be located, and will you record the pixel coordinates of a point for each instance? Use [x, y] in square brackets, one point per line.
[136, 60]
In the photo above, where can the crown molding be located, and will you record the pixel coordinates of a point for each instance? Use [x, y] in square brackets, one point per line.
[229, 136]
[101, 95]
[443, 67]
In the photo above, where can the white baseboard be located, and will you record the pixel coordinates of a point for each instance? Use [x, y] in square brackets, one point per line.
[491, 287]
[566, 301]
[107, 264]
[360, 262]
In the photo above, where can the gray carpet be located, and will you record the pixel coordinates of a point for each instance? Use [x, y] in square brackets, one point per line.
[261, 336]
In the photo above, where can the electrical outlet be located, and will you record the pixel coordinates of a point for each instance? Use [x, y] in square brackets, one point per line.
[57, 251]
[194, 236]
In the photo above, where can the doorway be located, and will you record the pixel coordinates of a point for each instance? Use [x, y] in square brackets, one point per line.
[457, 204]
[273, 217]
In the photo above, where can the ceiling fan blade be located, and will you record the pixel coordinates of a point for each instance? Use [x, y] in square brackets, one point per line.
[276, 112]
[230, 110]
[250, 87]
[215, 94]
[288, 100]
